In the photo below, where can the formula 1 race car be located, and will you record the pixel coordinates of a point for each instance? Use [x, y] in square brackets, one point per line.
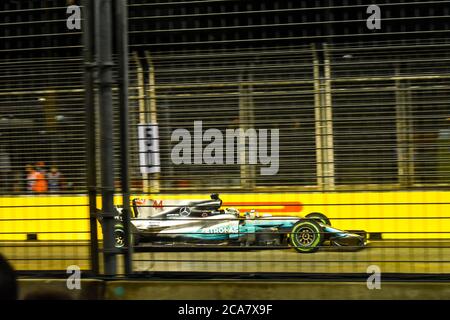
[203, 222]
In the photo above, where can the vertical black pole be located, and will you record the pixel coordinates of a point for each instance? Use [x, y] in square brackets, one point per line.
[121, 22]
[104, 27]
[88, 52]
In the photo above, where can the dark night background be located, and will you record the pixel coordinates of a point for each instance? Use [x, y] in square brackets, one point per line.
[162, 25]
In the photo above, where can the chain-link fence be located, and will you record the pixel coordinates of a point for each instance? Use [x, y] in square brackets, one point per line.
[335, 118]
[362, 139]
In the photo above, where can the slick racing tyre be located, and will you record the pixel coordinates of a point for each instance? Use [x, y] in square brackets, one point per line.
[319, 217]
[306, 236]
[119, 236]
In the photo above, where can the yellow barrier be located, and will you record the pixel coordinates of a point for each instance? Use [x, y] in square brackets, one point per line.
[398, 215]
[51, 217]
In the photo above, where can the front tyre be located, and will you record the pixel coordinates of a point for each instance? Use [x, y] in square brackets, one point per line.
[319, 217]
[306, 236]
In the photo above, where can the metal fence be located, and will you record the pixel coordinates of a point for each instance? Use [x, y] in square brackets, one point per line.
[349, 116]
[362, 127]
[363, 139]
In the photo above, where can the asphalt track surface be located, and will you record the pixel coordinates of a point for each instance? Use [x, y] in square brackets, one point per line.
[431, 256]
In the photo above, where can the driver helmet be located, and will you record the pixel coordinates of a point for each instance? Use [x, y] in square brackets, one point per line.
[233, 211]
[251, 214]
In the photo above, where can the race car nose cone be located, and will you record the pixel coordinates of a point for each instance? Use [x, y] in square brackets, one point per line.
[349, 240]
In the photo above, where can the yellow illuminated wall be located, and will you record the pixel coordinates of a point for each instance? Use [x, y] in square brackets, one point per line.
[398, 215]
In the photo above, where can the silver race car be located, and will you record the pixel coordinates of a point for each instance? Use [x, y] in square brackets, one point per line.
[206, 223]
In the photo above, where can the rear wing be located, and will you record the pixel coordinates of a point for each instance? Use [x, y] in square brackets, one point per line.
[149, 208]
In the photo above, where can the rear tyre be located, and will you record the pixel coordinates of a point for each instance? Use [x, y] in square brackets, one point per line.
[306, 236]
[119, 236]
[319, 217]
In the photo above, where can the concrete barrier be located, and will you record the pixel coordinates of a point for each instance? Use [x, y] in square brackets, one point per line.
[90, 289]
[239, 290]
[242, 290]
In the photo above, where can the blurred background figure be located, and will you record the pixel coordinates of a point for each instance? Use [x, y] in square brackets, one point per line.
[41, 185]
[8, 281]
[30, 177]
[40, 167]
[36, 179]
[54, 178]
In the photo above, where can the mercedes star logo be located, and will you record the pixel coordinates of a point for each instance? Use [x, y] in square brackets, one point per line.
[185, 211]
